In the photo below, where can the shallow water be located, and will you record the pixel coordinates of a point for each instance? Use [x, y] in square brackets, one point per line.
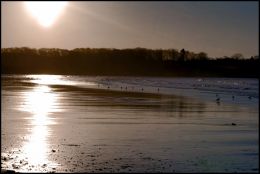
[91, 124]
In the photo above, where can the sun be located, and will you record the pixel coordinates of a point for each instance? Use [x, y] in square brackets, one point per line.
[45, 12]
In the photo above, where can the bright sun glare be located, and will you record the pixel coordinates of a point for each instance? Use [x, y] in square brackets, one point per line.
[40, 102]
[46, 13]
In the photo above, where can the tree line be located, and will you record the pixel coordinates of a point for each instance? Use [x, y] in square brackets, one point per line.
[132, 62]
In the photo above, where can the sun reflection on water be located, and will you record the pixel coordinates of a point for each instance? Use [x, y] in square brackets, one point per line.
[50, 79]
[36, 148]
[40, 102]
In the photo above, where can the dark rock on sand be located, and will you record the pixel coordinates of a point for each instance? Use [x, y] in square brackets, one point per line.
[70, 144]
[7, 171]
[15, 166]
[125, 166]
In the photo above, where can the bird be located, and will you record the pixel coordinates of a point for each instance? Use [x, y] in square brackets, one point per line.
[108, 87]
[233, 97]
[249, 97]
[218, 100]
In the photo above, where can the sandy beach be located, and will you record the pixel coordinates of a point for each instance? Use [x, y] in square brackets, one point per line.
[66, 128]
[129, 87]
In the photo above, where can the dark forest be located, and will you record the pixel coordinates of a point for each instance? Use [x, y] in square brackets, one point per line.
[125, 62]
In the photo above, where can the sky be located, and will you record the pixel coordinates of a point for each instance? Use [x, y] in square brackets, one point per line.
[217, 28]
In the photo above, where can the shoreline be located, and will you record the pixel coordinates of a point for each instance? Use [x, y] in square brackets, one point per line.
[139, 75]
[99, 130]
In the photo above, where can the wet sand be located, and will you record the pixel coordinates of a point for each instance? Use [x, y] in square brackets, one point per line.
[59, 128]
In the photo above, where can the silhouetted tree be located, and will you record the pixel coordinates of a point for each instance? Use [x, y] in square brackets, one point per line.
[138, 61]
[202, 56]
[237, 56]
[182, 55]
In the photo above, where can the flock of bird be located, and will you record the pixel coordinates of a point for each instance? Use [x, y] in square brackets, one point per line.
[233, 98]
[142, 89]
[158, 90]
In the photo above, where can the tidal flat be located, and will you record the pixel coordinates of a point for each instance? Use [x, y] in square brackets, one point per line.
[112, 124]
